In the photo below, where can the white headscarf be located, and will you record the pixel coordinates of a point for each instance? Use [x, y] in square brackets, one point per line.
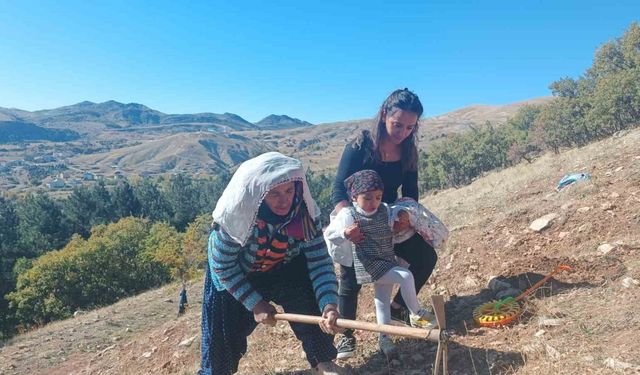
[238, 205]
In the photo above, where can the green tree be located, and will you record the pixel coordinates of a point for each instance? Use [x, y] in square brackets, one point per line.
[9, 252]
[194, 245]
[209, 191]
[79, 210]
[183, 199]
[124, 200]
[164, 245]
[616, 102]
[153, 204]
[320, 187]
[518, 134]
[41, 225]
[109, 265]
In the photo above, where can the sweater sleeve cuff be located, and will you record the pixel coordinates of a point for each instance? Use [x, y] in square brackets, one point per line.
[252, 300]
[326, 300]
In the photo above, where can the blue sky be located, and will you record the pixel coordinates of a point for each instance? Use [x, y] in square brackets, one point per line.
[320, 61]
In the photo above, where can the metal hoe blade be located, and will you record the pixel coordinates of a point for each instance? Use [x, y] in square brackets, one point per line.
[443, 348]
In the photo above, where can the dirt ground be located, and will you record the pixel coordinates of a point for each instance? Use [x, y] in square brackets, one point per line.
[583, 321]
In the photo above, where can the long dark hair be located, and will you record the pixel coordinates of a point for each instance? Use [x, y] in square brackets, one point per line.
[399, 99]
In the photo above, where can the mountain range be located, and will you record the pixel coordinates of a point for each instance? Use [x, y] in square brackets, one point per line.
[86, 117]
[135, 139]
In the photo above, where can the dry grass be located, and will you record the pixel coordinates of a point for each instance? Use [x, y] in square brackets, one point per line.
[595, 304]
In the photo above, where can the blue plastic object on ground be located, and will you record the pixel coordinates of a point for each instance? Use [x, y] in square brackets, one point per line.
[569, 179]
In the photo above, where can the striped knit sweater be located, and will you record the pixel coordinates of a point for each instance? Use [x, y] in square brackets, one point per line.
[230, 262]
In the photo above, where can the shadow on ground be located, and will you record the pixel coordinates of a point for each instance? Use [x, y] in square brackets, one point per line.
[417, 357]
[459, 309]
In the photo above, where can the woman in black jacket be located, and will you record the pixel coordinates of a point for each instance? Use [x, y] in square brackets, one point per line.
[390, 149]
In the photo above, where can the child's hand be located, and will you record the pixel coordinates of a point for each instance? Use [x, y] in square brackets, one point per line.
[353, 234]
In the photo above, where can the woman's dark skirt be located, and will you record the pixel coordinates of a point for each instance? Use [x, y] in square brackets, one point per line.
[226, 323]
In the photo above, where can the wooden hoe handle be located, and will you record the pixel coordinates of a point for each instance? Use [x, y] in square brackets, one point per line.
[416, 333]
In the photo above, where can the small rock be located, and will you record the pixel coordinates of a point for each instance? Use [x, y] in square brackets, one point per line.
[619, 169]
[146, 355]
[549, 322]
[588, 358]
[614, 195]
[540, 333]
[470, 281]
[552, 352]
[583, 209]
[537, 248]
[168, 300]
[115, 338]
[469, 250]
[605, 248]
[562, 235]
[510, 242]
[627, 282]
[584, 227]
[607, 206]
[127, 329]
[187, 342]
[543, 222]
[106, 349]
[78, 313]
[617, 365]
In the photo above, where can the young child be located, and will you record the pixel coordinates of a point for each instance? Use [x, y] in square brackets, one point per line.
[374, 260]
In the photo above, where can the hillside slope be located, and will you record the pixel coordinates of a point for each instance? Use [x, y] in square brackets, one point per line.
[193, 153]
[20, 131]
[320, 146]
[583, 322]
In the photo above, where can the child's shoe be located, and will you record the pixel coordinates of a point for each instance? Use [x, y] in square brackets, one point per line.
[423, 319]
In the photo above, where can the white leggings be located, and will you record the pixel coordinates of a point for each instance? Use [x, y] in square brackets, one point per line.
[383, 288]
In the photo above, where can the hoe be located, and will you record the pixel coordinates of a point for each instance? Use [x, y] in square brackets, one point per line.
[439, 335]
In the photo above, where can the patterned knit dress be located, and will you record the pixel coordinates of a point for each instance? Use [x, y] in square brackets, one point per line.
[374, 256]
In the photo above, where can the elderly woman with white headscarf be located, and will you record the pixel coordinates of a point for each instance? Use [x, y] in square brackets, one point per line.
[267, 245]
